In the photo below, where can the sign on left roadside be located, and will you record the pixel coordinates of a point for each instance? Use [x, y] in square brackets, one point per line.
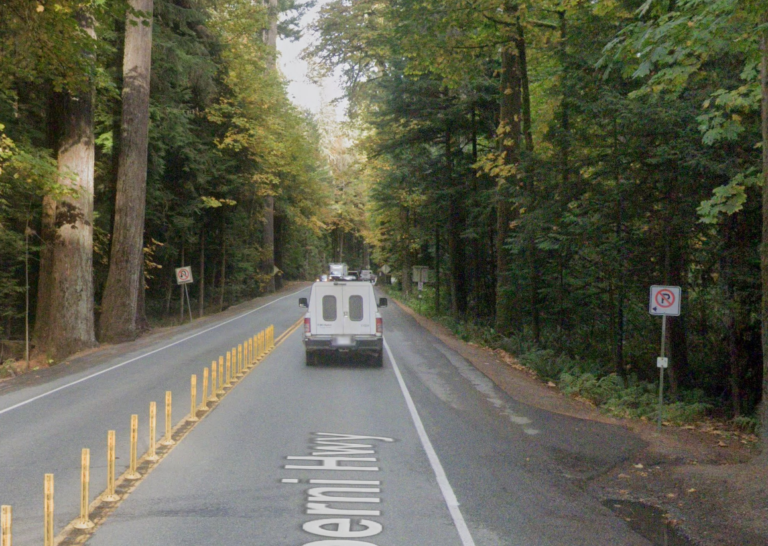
[184, 275]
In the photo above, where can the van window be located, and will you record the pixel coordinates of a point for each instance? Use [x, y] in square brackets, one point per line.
[329, 308]
[356, 308]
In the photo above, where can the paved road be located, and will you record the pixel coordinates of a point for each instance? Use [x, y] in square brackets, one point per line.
[46, 421]
[425, 451]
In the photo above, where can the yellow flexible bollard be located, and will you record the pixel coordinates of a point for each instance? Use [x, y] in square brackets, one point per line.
[85, 481]
[240, 360]
[132, 473]
[109, 494]
[204, 399]
[193, 399]
[233, 372]
[221, 375]
[228, 382]
[48, 511]
[151, 454]
[6, 521]
[213, 397]
[167, 439]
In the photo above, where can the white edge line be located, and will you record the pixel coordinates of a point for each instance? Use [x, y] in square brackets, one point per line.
[442, 480]
[57, 389]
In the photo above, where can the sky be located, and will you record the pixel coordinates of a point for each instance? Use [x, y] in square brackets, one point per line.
[303, 93]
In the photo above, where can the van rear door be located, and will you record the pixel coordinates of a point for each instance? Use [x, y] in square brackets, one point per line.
[357, 303]
[327, 301]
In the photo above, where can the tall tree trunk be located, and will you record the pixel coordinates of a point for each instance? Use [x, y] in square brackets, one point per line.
[455, 243]
[121, 295]
[65, 298]
[437, 268]
[764, 246]
[279, 226]
[268, 242]
[565, 124]
[201, 302]
[509, 146]
[407, 262]
[223, 269]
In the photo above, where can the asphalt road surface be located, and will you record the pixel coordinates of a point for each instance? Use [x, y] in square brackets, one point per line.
[425, 451]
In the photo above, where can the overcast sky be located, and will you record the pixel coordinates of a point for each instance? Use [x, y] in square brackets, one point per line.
[302, 92]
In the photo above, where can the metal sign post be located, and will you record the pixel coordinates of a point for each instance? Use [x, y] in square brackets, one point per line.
[665, 302]
[183, 278]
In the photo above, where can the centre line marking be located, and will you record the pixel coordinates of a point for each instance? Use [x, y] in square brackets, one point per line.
[116, 366]
[442, 480]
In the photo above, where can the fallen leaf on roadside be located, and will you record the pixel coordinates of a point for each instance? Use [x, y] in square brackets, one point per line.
[671, 495]
[623, 476]
[692, 490]
[722, 444]
[639, 465]
[551, 384]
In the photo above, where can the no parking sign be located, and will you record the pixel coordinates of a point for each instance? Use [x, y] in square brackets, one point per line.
[665, 300]
[183, 275]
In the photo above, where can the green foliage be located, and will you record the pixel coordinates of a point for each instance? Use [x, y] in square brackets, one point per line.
[223, 135]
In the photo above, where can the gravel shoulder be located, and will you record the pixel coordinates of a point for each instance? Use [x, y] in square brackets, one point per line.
[704, 479]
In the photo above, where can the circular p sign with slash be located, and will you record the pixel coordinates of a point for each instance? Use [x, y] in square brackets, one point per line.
[665, 300]
[183, 275]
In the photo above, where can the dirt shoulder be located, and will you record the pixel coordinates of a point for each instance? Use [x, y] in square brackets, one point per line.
[703, 478]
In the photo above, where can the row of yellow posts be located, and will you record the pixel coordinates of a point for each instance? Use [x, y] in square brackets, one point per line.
[239, 361]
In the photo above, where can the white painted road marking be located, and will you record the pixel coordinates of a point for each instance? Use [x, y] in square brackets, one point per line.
[442, 480]
[39, 396]
[319, 499]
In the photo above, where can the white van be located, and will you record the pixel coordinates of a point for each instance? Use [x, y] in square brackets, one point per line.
[343, 317]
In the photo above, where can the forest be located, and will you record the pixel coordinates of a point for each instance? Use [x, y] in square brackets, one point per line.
[551, 160]
[547, 160]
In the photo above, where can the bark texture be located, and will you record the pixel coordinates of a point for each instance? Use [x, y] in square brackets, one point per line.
[268, 262]
[764, 247]
[65, 296]
[120, 319]
[509, 146]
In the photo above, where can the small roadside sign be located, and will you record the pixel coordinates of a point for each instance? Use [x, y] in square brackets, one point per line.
[184, 275]
[385, 269]
[420, 274]
[665, 301]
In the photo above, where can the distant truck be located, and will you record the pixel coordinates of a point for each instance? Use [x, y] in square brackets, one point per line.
[366, 275]
[337, 271]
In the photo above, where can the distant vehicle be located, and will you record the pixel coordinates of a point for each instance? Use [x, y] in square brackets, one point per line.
[337, 271]
[366, 275]
[343, 317]
[352, 276]
[323, 278]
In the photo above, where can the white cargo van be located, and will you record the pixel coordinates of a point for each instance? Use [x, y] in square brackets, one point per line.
[343, 317]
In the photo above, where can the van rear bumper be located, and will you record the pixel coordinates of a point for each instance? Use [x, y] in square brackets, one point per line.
[332, 344]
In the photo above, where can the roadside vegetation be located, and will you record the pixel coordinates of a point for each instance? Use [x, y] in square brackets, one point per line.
[590, 379]
[549, 161]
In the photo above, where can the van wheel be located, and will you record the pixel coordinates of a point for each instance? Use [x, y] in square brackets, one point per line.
[378, 360]
[311, 359]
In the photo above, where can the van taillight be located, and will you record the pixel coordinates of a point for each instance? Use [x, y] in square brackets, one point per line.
[307, 326]
[379, 326]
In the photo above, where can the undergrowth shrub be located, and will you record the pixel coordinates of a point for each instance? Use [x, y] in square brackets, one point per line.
[591, 379]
